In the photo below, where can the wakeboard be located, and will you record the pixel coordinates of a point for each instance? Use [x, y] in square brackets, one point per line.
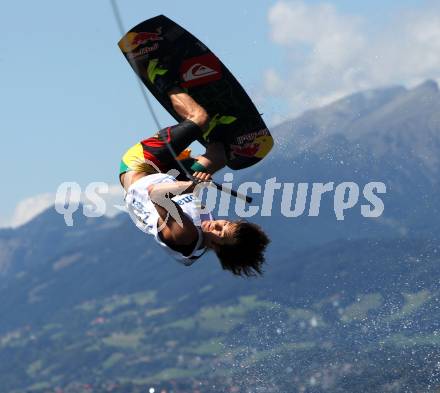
[234, 119]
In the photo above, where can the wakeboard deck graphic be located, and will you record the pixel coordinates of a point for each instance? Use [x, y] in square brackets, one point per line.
[234, 119]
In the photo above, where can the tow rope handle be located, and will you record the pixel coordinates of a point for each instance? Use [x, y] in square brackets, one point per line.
[222, 188]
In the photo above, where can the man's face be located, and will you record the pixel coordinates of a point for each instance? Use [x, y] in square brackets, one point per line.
[219, 231]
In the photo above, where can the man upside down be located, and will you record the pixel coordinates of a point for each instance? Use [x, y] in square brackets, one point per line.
[165, 206]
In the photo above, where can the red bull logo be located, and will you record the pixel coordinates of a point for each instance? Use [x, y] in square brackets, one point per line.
[258, 148]
[142, 38]
[133, 40]
[248, 150]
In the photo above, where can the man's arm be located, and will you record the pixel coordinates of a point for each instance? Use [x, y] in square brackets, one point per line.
[176, 227]
[214, 158]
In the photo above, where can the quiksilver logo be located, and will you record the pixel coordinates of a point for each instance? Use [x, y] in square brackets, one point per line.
[198, 71]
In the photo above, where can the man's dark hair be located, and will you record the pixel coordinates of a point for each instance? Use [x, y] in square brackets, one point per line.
[245, 256]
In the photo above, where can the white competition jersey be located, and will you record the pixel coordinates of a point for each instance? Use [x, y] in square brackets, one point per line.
[145, 216]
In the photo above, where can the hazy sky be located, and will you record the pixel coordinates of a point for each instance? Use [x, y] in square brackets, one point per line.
[71, 106]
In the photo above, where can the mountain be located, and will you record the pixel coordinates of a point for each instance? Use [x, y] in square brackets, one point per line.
[388, 135]
[110, 313]
[383, 120]
[344, 306]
